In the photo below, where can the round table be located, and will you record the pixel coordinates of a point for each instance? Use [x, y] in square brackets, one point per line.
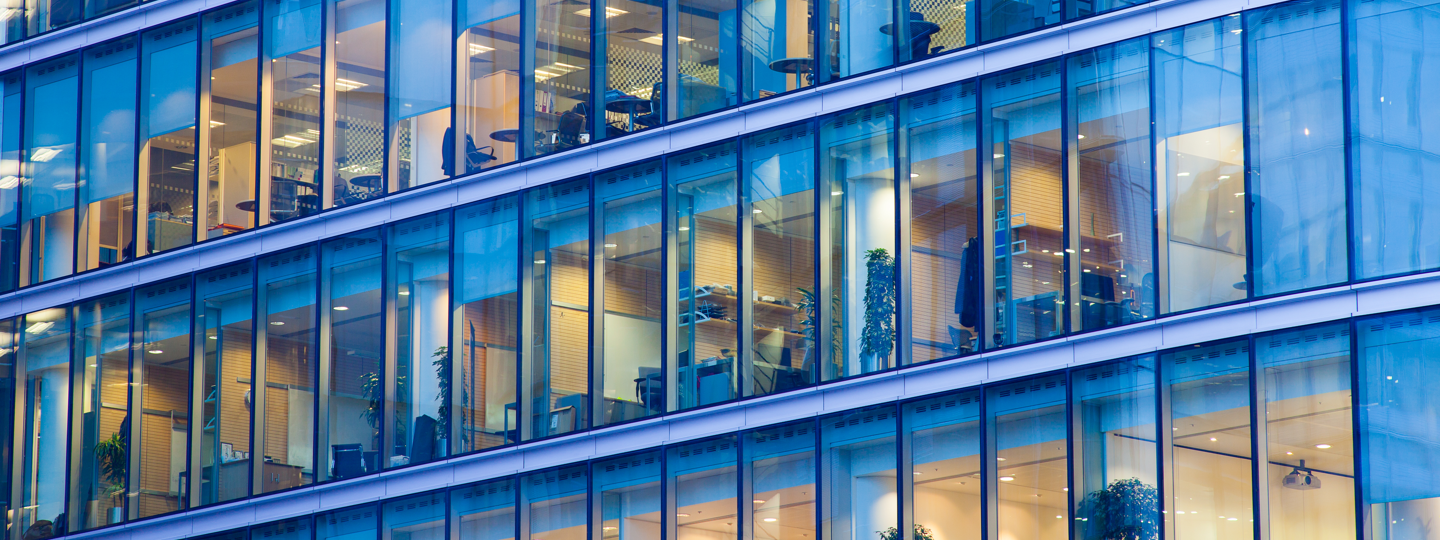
[796, 66]
[917, 28]
[367, 181]
[629, 106]
[511, 136]
[246, 205]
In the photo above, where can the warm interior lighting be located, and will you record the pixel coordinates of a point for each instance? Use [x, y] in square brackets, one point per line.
[609, 12]
[478, 49]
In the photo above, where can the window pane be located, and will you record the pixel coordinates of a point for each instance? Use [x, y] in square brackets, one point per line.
[354, 523]
[161, 414]
[1022, 121]
[1307, 411]
[557, 242]
[107, 193]
[419, 92]
[1115, 467]
[1199, 160]
[102, 436]
[13, 27]
[46, 15]
[779, 473]
[10, 113]
[706, 49]
[1113, 220]
[858, 169]
[1026, 420]
[858, 469]
[1297, 145]
[292, 529]
[167, 137]
[1075, 9]
[937, 27]
[627, 497]
[292, 34]
[628, 362]
[230, 101]
[780, 175]
[9, 356]
[47, 191]
[1210, 430]
[945, 250]
[96, 8]
[285, 411]
[418, 293]
[487, 323]
[224, 315]
[705, 190]
[359, 130]
[944, 446]
[484, 511]
[630, 44]
[45, 363]
[702, 482]
[352, 337]
[488, 72]
[1004, 19]
[777, 46]
[561, 115]
[554, 505]
[421, 517]
[862, 37]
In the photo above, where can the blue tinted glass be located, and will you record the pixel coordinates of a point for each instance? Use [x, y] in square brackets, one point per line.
[487, 322]
[10, 122]
[44, 363]
[627, 496]
[48, 190]
[1003, 18]
[857, 470]
[420, 68]
[166, 198]
[1397, 358]
[355, 523]
[107, 155]
[1210, 459]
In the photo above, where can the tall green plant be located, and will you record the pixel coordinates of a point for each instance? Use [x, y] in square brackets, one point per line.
[443, 370]
[893, 533]
[1125, 510]
[810, 327]
[877, 337]
[114, 462]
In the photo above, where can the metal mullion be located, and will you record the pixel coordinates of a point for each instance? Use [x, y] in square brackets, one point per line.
[389, 160]
[599, 82]
[745, 254]
[459, 70]
[1259, 442]
[670, 57]
[985, 170]
[526, 271]
[1347, 48]
[905, 467]
[457, 412]
[1163, 449]
[17, 420]
[202, 132]
[195, 440]
[526, 120]
[1363, 516]
[1251, 200]
[596, 316]
[191, 455]
[389, 369]
[75, 222]
[824, 329]
[328, 111]
[1074, 453]
[259, 335]
[522, 509]
[69, 414]
[323, 366]
[817, 470]
[670, 298]
[264, 123]
[1070, 205]
[904, 315]
[135, 410]
[1157, 197]
[989, 494]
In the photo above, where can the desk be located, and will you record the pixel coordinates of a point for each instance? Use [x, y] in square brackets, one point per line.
[796, 66]
[234, 478]
[628, 105]
[511, 136]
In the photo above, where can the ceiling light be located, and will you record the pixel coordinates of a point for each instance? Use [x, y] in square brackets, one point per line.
[1212, 439]
[155, 351]
[608, 528]
[478, 49]
[1182, 174]
[541, 261]
[39, 327]
[998, 156]
[770, 520]
[611, 245]
[836, 193]
[917, 473]
[1082, 136]
[346, 85]
[1323, 446]
[216, 124]
[684, 228]
[757, 210]
[1007, 478]
[682, 514]
[758, 501]
[999, 459]
[913, 175]
[340, 308]
[277, 323]
[609, 12]
[404, 293]
[211, 337]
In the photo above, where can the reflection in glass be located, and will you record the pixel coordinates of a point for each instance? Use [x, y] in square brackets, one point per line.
[1026, 423]
[12, 21]
[291, 188]
[936, 27]
[107, 155]
[47, 188]
[1112, 222]
[354, 523]
[1004, 18]
[701, 478]
[627, 497]
[229, 103]
[944, 446]
[1209, 469]
[557, 360]
[487, 69]
[421, 517]
[777, 46]
[359, 132]
[419, 103]
[705, 49]
[629, 351]
[484, 511]
[418, 298]
[779, 474]
[224, 316]
[160, 412]
[11, 90]
[860, 37]
[45, 363]
[102, 436]
[858, 471]
[286, 342]
[290, 529]
[167, 137]
[1075, 9]
[47, 15]
[487, 324]
[945, 248]
[560, 116]
[1397, 357]
[9, 356]
[859, 172]
[1200, 158]
[554, 505]
[1026, 220]
[352, 341]
[630, 47]
[785, 326]
[1114, 466]
[705, 191]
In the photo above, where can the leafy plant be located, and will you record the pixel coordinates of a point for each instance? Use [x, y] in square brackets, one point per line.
[372, 388]
[114, 463]
[810, 324]
[893, 533]
[877, 337]
[442, 373]
[1125, 510]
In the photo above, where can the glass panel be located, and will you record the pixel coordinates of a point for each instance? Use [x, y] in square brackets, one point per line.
[10, 120]
[1026, 421]
[701, 479]
[1075, 9]
[101, 426]
[224, 315]
[859, 169]
[706, 226]
[419, 92]
[107, 155]
[860, 37]
[421, 517]
[858, 470]
[1112, 221]
[96, 8]
[1022, 123]
[484, 511]
[359, 132]
[488, 73]
[554, 505]
[1004, 18]
[560, 117]
[12, 28]
[352, 337]
[292, 42]
[705, 48]
[627, 497]
[487, 323]
[779, 473]
[1311, 453]
[780, 175]
[167, 137]
[285, 417]
[46, 15]
[777, 46]
[418, 293]
[45, 363]
[159, 485]
[229, 103]
[1199, 160]
[292, 529]
[936, 27]
[1209, 389]
[237, 534]
[944, 446]
[630, 42]
[9, 356]
[1116, 472]
[628, 359]
[47, 191]
[944, 274]
[354, 523]
[1397, 357]
[557, 242]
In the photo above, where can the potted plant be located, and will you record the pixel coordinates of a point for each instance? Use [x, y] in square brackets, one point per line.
[442, 374]
[893, 533]
[877, 336]
[1125, 510]
[809, 326]
[113, 460]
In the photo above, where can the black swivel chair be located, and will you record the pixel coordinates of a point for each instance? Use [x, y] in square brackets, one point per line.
[348, 461]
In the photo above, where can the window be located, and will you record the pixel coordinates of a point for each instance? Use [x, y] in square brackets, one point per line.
[290, 529]
[487, 69]
[857, 468]
[704, 187]
[224, 326]
[354, 523]
[102, 436]
[284, 406]
[47, 193]
[1115, 461]
[859, 36]
[230, 102]
[485, 341]
[708, 68]
[107, 155]
[358, 132]
[553, 505]
[419, 85]
[627, 499]
[943, 439]
[11, 90]
[167, 137]
[421, 517]
[484, 511]
[160, 411]
[556, 243]
[418, 299]
[935, 27]
[779, 477]
[9, 356]
[701, 479]
[557, 45]
[777, 46]
[1004, 18]
[1209, 465]
[46, 15]
[291, 187]
[352, 345]
[944, 281]
[628, 340]
[629, 46]
[45, 363]
[13, 27]
[1026, 426]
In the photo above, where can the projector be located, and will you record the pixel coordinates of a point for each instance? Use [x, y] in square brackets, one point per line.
[1301, 478]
